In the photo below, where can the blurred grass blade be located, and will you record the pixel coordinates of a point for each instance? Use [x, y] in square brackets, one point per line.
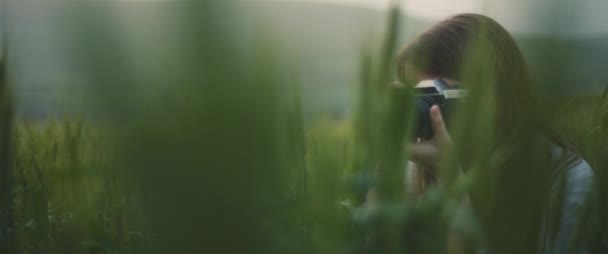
[6, 219]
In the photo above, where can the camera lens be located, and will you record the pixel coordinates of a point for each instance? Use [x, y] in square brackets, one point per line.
[423, 125]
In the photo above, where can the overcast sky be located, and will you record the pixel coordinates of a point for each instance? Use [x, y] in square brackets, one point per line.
[572, 18]
[422, 8]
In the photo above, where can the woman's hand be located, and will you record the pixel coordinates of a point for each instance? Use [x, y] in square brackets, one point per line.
[428, 153]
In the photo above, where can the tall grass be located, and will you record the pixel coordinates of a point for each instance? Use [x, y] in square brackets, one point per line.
[220, 162]
[70, 196]
[6, 115]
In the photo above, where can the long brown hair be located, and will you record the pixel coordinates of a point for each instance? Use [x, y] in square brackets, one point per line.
[465, 47]
[444, 51]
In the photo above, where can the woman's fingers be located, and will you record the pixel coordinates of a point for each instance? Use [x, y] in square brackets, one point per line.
[426, 153]
[440, 131]
[437, 120]
[429, 153]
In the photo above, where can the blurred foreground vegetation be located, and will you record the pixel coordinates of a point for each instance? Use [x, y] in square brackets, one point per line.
[221, 161]
[70, 196]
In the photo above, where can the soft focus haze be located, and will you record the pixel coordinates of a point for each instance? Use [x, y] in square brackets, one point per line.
[521, 16]
[58, 46]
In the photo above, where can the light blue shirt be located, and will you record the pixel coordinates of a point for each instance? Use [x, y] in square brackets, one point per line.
[573, 196]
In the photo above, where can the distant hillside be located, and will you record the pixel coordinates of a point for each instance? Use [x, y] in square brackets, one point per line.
[568, 66]
[58, 53]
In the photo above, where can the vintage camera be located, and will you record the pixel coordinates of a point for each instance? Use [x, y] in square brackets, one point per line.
[435, 92]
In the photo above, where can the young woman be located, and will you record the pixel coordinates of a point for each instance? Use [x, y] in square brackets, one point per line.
[540, 199]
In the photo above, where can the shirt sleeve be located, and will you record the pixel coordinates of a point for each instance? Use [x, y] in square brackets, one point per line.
[577, 215]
